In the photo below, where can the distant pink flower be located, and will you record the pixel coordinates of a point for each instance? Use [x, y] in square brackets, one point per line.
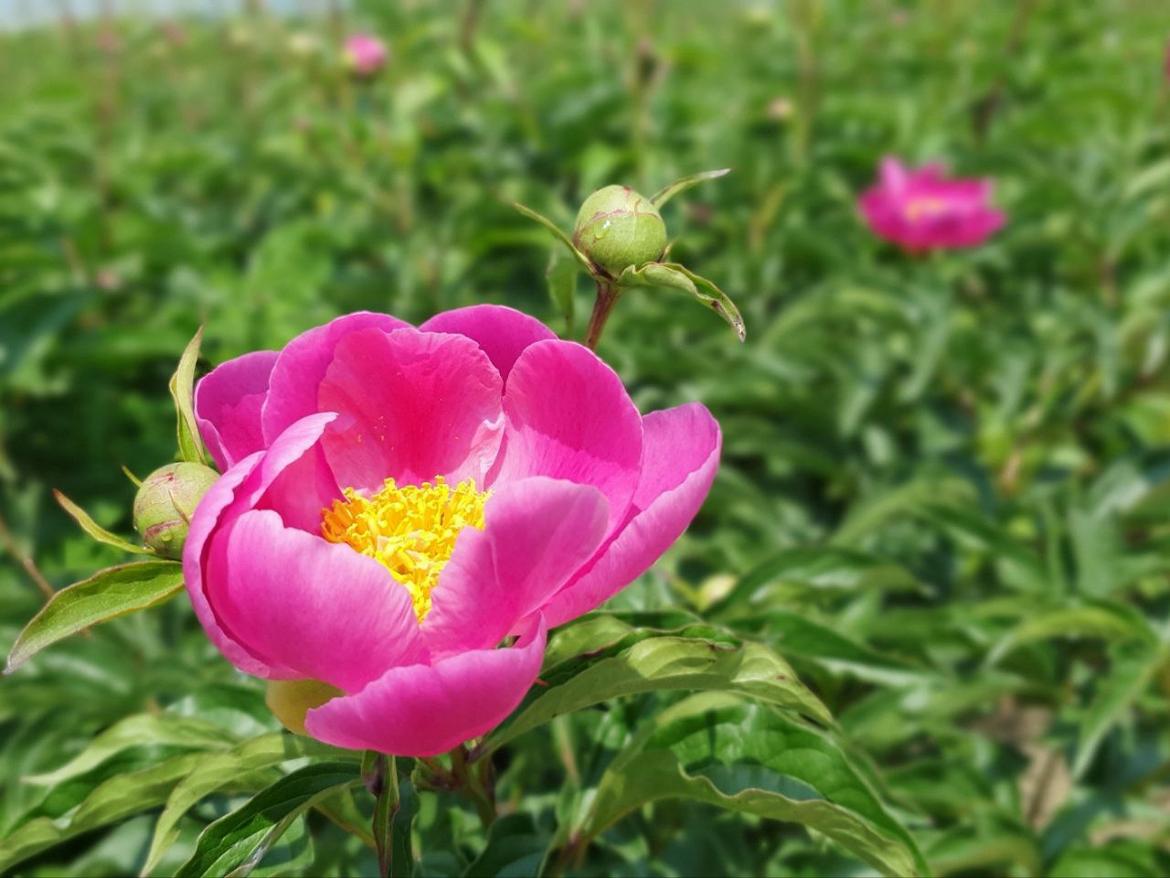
[397, 502]
[921, 210]
[365, 54]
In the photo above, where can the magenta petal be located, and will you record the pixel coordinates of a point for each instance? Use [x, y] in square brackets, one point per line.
[502, 332]
[413, 405]
[227, 407]
[682, 456]
[292, 388]
[205, 559]
[538, 533]
[424, 710]
[203, 523]
[319, 608]
[569, 417]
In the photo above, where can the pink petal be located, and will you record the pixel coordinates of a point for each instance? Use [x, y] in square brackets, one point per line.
[318, 608]
[538, 533]
[195, 550]
[424, 710]
[569, 417]
[204, 555]
[682, 456]
[894, 175]
[292, 388]
[414, 405]
[502, 332]
[227, 406]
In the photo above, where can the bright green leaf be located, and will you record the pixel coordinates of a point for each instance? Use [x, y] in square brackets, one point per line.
[113, 592]
[719, 749]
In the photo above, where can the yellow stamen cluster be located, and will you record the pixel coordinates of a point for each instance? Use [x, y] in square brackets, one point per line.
[410, 529]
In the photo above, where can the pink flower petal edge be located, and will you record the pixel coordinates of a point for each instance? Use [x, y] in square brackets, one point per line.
[539, 532]
[425, 710]
[227, 406]
[682, 454]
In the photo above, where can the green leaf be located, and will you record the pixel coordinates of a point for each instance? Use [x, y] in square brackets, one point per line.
[1116, 691]
[219, 771]
[238, 841]
[515, 847]
[1108, 621]
[672, 275]
[800, 637]
[95, 530]
[401, 823]
[182, 387]
[106, 595]
[114, 800]
[668, 192]
[719, 749]
[581, 258]
[645, 660]
[562, 286]
[140, 730]
[814, 569]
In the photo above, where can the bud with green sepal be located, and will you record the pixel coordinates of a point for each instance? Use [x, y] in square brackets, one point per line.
[165, 503]
[620, 240]
[163, 507]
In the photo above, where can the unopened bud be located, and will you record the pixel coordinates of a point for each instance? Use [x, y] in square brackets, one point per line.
[617, 227]
[165, 503]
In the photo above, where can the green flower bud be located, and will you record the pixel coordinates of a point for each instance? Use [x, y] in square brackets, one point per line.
[617, 227]
[165, 503]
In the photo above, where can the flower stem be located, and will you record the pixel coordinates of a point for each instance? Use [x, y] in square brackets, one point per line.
[381, 777]
[607, 295]
[477, 783]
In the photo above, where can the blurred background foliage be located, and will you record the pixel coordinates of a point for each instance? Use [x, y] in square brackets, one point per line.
[946, 482]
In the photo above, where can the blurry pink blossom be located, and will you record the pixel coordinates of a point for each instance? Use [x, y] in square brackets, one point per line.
[365, 54]
[921, 210]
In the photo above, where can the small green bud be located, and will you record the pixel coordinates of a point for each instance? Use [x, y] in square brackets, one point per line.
[165, 502]
[617, 227]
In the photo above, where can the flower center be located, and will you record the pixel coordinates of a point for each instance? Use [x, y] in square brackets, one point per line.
[925, 207]
[411, 530]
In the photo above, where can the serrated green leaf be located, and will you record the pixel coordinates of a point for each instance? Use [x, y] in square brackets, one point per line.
[719, 749]
[106, 595]
[95, 530]
[646, 661]
[182, 386]
[240, 838]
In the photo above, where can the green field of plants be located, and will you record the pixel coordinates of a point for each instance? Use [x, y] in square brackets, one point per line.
[920, 624]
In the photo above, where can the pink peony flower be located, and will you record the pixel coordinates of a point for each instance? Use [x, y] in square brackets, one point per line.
[398, 502]
[921, 210]
[365, 54]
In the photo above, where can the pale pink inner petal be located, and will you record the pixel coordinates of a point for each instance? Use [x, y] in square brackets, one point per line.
[413, 405]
